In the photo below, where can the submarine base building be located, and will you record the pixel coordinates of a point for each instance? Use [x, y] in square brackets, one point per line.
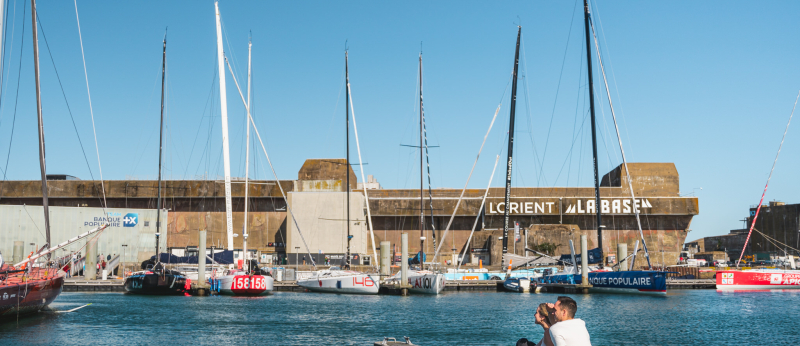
[548, 216]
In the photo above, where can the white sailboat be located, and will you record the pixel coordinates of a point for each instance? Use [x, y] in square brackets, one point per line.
[335, 280]
[423, 281]
[237, 281]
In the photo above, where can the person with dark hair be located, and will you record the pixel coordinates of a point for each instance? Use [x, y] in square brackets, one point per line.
[568, 330]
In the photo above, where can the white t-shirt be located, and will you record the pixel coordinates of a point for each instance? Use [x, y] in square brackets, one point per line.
[571, 332]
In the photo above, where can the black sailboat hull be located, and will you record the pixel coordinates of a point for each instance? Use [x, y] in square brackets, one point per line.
[156, 284]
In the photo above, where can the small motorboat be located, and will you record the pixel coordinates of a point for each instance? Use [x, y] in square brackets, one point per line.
[521, 285]
[393, 342]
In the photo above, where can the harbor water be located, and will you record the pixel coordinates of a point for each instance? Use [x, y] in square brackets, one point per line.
[683, 317]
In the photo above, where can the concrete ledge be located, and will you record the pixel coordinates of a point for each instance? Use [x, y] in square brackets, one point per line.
[80, 285]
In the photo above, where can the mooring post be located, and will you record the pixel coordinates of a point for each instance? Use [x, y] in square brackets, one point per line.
[622, 253]
[201, 261]
[385, 258]
[404, 264]
[16, 256]
[90, 270]
[585, 265]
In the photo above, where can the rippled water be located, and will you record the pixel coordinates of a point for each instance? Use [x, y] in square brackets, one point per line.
[473, 318]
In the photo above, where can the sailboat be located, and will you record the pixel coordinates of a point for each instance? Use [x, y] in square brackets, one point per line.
[604, 280]
[242, 281]
[28, 287]
[155, 278]
[336, 280]
[422, 281]
[512, 284]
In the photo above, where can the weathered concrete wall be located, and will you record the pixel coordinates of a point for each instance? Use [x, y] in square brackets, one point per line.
[649, 179]
[26, 223]
[328, 169]
[322, 218]
[263, 228]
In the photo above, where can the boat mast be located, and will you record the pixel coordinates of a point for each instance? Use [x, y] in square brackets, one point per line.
[42, 165]
[421, 165]
[594, 134]
[246, 265]
[510, 143]
[347, 156]
[160, 143]
[223, 103]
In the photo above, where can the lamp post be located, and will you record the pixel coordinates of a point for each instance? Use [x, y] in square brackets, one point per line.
[124, 252]
[296, 254]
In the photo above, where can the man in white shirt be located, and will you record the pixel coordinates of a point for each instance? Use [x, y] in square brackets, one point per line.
[568, 330]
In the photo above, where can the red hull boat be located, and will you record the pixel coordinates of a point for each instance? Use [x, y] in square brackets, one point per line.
[758, 279]
[23, 292]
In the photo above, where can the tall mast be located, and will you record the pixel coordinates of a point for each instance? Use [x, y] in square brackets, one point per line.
[247, 156]
[594, 134]
[42, 165]
[421, 164]
[160, 142]
[223, 103]
[510, 144]
[347, 157]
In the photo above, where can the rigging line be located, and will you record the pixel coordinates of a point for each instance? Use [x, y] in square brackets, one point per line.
[3, 52]
[776, 240]
[16, 99]
[200, 124]
[558, 88]
[613, 76]
[755, 217]
[427, 157]
[288, 207]
[152, 131]
[572, 146]
[364, 184]
[91, 110]
[25, 207]
[536, 158]
[449, 223]
[69, 110]
[577, 107]
[333, 114]
[478, 217]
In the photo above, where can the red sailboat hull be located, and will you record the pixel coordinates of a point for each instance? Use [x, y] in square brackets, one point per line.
[26, 294]
[758, 279]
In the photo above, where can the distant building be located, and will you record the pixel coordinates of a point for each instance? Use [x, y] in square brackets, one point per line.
[776, 231]
[372, 184]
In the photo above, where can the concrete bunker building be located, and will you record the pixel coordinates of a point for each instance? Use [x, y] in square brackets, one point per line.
[548, 216]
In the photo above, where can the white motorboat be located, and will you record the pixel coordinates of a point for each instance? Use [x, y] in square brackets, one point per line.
[236, 282]
[521, 285]
[334, 280]
[423, 281]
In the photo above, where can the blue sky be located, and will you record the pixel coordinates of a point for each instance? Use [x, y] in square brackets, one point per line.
[706, 85]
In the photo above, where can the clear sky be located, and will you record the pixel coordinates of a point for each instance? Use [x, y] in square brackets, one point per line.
[707, 85]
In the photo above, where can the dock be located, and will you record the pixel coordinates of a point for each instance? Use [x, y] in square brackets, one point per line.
[691, 284]
[82, 285]
[115, 285]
